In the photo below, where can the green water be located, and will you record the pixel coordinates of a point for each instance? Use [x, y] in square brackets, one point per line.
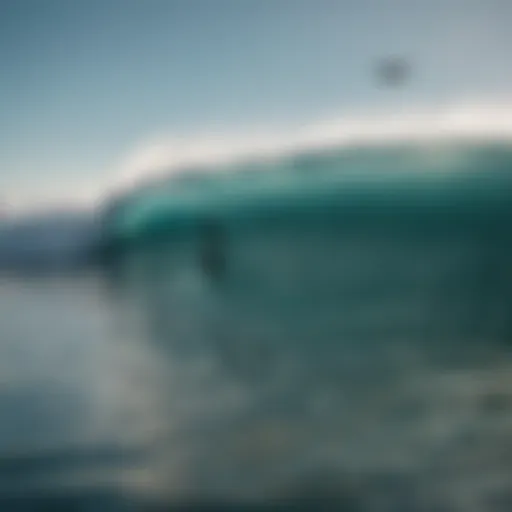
[307, 333]
[317, 256]
[450, 180]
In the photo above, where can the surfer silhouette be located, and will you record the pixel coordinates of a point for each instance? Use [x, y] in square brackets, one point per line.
[212, 250]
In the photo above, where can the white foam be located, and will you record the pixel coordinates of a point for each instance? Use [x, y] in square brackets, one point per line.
[168, 155]
[171, 155]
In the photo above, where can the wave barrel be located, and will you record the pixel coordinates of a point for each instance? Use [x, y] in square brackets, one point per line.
[337, 288]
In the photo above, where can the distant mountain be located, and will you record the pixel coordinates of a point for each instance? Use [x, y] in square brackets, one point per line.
[57, 241]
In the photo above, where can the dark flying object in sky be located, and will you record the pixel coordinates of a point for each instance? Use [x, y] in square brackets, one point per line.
[393, 71]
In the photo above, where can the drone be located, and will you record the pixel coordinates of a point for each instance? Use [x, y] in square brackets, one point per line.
[393, 71]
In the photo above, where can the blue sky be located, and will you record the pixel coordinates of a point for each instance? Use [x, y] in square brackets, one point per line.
[84, 82]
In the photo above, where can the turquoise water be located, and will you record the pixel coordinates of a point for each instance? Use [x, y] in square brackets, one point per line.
[368, 180]
[359, 299]
[360, 243]
[318, 341]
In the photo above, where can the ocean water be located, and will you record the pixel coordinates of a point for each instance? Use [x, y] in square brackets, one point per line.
[104, 409]
[314, 350]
